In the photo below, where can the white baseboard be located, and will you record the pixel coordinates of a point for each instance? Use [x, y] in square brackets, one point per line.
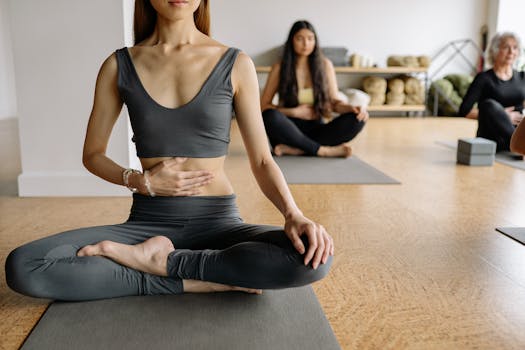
[66, 184]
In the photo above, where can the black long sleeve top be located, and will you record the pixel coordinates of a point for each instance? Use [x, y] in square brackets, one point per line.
[509, 93]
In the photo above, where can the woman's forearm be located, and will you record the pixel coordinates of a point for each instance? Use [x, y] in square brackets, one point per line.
[341, 108]
[273, 185]
[290, 112]
[105, 168]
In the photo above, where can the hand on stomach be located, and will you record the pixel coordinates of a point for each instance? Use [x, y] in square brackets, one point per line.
[178, 176]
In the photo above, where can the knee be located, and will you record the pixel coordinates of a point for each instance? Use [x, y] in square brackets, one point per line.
[322, 270]
[271, 115]
[307, 274]
[489, 106]
[351, 119]
[17, 273]
[14, 270]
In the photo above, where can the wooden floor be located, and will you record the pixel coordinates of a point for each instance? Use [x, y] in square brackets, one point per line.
[417, 266]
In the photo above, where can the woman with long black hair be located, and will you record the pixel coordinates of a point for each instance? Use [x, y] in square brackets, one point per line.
[308, 95]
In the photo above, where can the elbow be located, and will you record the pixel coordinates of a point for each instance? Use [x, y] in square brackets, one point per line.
[266, 106]
[260, 163]
[259, 166]
[86, 160]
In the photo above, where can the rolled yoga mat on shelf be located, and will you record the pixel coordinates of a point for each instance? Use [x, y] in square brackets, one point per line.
[277, 319]
[516, 233]
[319, 170]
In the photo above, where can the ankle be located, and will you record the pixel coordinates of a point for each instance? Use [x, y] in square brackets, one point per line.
[105, 248]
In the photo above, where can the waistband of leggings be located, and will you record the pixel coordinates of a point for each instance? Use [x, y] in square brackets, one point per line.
[160, 208]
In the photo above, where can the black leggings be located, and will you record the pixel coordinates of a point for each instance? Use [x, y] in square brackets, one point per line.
[211, 244]
[494, 124]
[309, 135]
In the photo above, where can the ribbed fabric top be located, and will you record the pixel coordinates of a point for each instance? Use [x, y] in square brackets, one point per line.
[197, 129]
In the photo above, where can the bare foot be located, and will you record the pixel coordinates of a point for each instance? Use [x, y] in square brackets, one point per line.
[343, 150]
[195, 286]
[282, 149]
[150, 256]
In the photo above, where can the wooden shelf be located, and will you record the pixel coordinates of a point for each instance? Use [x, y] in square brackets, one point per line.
[371, 70]
[400, 108]
[376, 70]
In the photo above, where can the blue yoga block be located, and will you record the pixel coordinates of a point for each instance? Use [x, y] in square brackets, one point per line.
[476, 145]
[475, 159]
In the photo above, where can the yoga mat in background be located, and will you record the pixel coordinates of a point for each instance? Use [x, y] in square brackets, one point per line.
[318, 170]
[506, 158]
[281, 319]
[516, 233]
[510, 159]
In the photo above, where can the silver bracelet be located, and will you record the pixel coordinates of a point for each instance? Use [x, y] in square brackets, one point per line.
[125, 178]
[148, 184]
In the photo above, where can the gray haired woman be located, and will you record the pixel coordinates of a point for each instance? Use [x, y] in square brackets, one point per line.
[499, 92]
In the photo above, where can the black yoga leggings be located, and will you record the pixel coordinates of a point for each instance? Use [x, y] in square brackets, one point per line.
[494, 124]
[309, 135]
[211, 244]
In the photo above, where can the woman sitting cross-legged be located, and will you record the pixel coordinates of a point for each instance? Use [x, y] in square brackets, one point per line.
[307, 87]
[499, 93]
[184, 233]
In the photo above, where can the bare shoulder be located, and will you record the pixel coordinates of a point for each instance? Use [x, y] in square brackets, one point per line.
[328, 65]
[243, 62]
[243, 70]
[109, 67]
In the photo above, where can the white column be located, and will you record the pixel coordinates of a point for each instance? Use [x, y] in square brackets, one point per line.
[7, 78]
[510, 17]
[58, 48]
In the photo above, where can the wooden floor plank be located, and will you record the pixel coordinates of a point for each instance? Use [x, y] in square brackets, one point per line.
[418, 265]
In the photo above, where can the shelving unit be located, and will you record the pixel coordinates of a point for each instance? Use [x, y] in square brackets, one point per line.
[381, 71]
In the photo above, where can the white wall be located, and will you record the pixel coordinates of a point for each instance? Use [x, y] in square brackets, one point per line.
[58, 47]
[378, 28]
[511, 17]
[7, 76]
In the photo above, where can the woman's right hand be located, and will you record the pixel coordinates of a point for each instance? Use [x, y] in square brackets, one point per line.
[166, 179]
[305, 112]
[515, 116]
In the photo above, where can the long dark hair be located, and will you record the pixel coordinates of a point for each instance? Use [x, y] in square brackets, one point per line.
[145, 19]
[288, 80]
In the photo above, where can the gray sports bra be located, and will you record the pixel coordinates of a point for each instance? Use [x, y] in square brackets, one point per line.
[197, 129]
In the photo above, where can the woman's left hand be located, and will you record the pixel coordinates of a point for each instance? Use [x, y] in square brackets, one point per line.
[362, 113]
[320, 243]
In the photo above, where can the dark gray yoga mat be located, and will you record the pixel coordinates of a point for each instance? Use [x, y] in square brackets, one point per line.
[318, 170]
[510, 159]
[280, 319]
[516, 233]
